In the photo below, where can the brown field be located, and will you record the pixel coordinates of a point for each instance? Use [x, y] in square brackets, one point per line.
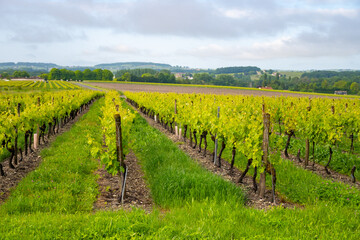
[190, 89]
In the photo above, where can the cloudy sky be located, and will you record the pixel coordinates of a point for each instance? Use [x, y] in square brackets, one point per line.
[287, 34]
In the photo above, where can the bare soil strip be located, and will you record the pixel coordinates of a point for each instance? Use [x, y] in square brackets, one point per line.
[225, 172]
[137, 194]
[29, 163]
[190, 89]
[320, 170]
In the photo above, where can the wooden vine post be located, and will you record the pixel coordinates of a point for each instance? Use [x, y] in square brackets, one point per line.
[37, 134]
[16, 136]
[330, 149]
[216, 160]
[265, 149]
[176, 127]
[353, 179]
[307, 143]
[120, 157]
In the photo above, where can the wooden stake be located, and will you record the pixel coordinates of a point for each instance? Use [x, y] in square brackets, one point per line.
[175, 123]
[37, 134]
[216, 142]
[120, 157]
[265, 149]
[353, 179]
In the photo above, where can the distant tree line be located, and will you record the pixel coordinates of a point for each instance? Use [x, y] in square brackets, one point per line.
[330, 74]
[239, 80]
[245, 70]
[14, 74]
[23, 73]
[317, 81]
[30, 65]
[87, 74]
[145, 75]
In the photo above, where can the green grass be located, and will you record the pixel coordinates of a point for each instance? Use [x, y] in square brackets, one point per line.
[64, 181]
[174, 178]
[196, 221]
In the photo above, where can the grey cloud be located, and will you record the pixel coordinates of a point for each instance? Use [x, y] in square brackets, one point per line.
[334, 35]
[46, 21]
[200, 19]
[185, 18]
[119, 49]
[179, 18]
[35, 34]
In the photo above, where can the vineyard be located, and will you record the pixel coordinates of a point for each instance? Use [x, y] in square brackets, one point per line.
[239, 122]
[24, 114]
[36, 85]
[216, 166]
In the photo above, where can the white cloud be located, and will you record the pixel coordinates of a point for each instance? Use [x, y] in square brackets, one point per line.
[119, 49]
[348, 13]
[237, 14]
[193, 29]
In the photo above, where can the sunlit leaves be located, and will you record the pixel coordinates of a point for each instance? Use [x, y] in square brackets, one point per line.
[108, 152]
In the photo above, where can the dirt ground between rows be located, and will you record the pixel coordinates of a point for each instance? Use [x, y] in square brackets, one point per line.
[320, 170]
[137, 194]
[191, 89]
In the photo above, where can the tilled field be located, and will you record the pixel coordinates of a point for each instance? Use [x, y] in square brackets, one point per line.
[190, 89]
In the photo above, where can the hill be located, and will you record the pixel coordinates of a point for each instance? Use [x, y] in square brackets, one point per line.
[28, 65]
[133, 65]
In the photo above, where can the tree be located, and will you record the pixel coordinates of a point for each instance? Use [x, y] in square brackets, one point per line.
[44, 76]
[79, 75]
[340, 85]
[224, 80]
[324, 84]
[172, 78]
[107, 75]
[88, 75]
[128, 77]
[202, 78]
[354, 87]
[21, 74]
[54, 74]
[5, 75]
[98, 74]
[64, 74]
[148, 77]
[245, 70]
[71, 75]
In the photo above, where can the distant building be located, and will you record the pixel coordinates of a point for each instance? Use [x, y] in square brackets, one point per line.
[276, 73]
[340, 92]
[179, 75]
[266, 87]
